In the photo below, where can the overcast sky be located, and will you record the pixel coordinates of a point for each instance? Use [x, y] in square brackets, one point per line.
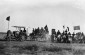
[38, 13]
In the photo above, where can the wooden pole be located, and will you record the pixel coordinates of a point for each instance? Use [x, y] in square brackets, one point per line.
[8, 24]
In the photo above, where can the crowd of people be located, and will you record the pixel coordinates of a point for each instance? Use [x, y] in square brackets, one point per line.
[60, 37]
[67, 37]
[17, 35]
[56, 36]
[39, 32]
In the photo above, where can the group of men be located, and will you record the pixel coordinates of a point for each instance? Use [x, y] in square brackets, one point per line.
[17, 35]
[59, 37]
[66, 36]
[39, 32]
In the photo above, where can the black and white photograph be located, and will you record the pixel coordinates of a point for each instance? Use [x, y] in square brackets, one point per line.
[42, 27]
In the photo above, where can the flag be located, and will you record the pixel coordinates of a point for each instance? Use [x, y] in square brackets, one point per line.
[8, 18]
[76, 27]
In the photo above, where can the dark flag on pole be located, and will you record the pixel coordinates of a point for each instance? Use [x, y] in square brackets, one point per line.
[8, 18]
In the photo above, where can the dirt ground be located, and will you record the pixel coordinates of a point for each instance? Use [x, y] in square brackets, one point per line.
[39, 48]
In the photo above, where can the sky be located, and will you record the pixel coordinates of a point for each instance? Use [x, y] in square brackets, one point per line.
[38, 13]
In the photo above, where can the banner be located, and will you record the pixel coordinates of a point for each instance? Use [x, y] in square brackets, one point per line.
[76, 27]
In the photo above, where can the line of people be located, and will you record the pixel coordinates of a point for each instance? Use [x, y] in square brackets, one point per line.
[67, 37]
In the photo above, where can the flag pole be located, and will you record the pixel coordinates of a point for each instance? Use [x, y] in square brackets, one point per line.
[8, 25]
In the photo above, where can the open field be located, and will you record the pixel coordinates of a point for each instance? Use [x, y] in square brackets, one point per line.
[40, 48]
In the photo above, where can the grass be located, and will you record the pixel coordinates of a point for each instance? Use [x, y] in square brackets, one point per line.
[36, 48]
[33, 47]
[52, 49]
[2, 49]
[30, 47]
